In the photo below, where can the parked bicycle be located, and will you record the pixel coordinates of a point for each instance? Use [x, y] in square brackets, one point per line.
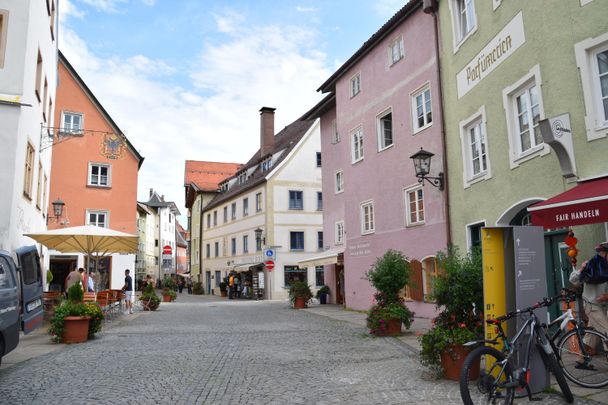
[492, 376]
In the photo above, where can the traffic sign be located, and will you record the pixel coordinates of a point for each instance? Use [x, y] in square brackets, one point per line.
[167, 250]
[269, 253]
[269, 265]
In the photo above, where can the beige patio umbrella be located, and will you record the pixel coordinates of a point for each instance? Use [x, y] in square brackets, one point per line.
[87, 239]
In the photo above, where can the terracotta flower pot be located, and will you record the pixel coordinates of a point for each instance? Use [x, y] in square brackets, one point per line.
[166, 298]
[392, 328]
[223, 293]
[452, 360]
[75, 329]
[299, 303]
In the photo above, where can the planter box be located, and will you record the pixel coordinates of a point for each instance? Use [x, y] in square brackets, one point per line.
[393, 328]
[76, 329]
[452, 360]
[299, 303]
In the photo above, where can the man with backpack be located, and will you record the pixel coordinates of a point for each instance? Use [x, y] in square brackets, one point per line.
[593, 275]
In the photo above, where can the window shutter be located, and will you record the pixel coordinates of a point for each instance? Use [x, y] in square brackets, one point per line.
[416, 283]
[401, 51]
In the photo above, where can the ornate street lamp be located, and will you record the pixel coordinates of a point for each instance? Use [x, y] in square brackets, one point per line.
[57, 210]
[422, 166]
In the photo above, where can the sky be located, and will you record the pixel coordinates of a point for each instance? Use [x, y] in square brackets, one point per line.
[185, 79]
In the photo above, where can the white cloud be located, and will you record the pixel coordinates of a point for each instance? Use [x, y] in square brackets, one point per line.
[387, 8]
[228, 22]
[216, 118]
[108, 6]
[302, 9]
[68, 9]
[149, 2]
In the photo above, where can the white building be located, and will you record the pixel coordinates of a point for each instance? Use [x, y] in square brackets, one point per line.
[28, 80]
[146, 226]
[278, 192]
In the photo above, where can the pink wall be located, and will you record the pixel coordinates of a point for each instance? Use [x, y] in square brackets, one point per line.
[383, 176]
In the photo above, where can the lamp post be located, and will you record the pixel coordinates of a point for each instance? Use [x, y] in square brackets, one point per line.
[58, 205]
[260, 242]
[422, 167]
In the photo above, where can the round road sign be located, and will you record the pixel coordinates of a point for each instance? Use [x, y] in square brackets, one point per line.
[269, 265]
[167, 250]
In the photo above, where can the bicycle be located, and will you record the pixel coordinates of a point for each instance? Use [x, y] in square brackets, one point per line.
[499, 375]
[582, 363]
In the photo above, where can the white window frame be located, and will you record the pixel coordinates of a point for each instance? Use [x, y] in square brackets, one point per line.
[356, 145]
[339, 233]
[69, 129]
[109, 175]
[368, 220]
[496, 4]
[354, 85]
[586, 61]
[509, 95]
[258, 202]
[421, 91]
[380, 129]
[477, 119]
[408, 212]
[458, 37]
[245, 243]
[396, 44]
[3, 30]
[339, 182]
[97, 212]
[468, 228]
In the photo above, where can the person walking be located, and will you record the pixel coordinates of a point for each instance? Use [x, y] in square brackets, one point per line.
[189, 284]
[180, 284]
[231, 287]
[73, 278]
[128, 289]
[237, 286]
[595, 295]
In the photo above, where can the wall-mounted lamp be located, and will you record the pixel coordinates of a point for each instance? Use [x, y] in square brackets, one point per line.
[258, 236]
[422, 166]
[57, 211]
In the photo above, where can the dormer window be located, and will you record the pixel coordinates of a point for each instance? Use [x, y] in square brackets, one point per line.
[267, 164]
[242, 177]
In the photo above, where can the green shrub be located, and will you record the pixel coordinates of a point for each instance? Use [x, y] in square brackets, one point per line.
[197, 288]
[169, 283]
[389, 274]
[323, 290]
[299, 289]
[72, 308]
[378, 316]
[75, 293]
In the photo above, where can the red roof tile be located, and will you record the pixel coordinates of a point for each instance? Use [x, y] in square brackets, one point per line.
[207, 175]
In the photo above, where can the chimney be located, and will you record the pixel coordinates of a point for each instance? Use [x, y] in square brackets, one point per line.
[266, 130]
[151, 192]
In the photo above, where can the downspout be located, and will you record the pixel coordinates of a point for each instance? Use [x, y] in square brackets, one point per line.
[446, 180]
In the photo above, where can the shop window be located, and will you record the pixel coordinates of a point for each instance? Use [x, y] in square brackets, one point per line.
[295, 273]
[319, 276]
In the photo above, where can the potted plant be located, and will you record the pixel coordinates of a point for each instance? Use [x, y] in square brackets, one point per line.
[169, 290]
[224, 289]
[322, 294]
[299, 294]
[75, 321]
[458, 295]
[389, 274]
[197, 288]
[149, 300]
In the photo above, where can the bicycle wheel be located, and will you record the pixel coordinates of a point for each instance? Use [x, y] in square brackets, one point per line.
[483, 378]
[590, 371]
[551, 363]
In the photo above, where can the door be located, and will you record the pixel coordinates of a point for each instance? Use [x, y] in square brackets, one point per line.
[416, 281]
[60, 267]
[339, 269]
[208, 282]
[558, 265]
[30, 273]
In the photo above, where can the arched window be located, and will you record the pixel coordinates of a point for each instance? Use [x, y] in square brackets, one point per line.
[431, 271]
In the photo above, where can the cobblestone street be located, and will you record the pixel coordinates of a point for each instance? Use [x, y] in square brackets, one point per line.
[201, 350]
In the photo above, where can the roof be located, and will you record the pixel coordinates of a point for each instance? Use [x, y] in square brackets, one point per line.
[102, 110]
[368, 45]
[208, 175]
[157, 201]
[142, 207]
[322, 107]
[284, 141]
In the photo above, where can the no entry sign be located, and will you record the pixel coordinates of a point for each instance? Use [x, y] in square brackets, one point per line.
[167, 250]
[269, 265]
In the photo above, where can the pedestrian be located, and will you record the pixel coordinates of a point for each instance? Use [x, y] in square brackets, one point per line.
[73, 278]
[595, 295]
[231, 287]
[189, 284]
[84, 279]
[180, 284]
[128, 289]
[237, 286]
[91, 283]
[147, 281]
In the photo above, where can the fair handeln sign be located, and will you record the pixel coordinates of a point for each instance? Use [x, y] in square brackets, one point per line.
[503, 45]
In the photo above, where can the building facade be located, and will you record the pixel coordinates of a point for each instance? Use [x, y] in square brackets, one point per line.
[278, 193]
[95, 170]
[506, 67]
[145, 263]
[383, 106]
[28, 81]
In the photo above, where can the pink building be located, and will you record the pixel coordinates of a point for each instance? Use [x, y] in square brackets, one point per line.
[383, 106]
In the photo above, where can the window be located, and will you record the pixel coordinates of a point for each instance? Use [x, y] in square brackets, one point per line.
[320, 240]
[294, 273]
[474, 234]
[267, 164]
[38, 89]
[384, 124]
[523, 107]
[245, 243]
[339, 232]
[421, 105]
[155, 242]
[208, 251]
[3, 30]
[475, 148]
[355, 85]
[367, 217]
[357, 145]
[214, 218]
[208, 220]
[44, 188]
[296, 201]
[296, 240]
[6, 277]
[44, 99]
[319, 201]
[71, 123]
[318, 159]
[30, 267]
[464, 18]
[258, 202]
[28, 176]
[477, 145]
[339, 182]
[99, 175]
[52, 19]
[319, 276]
[395, 51]
[245, 207]
[218, 278]
[233, 246]
[233, 211]
[225, 214]
[335, 135]
[414, 202]
[217, 249]
[258, 245]
[98, 218]
[592, 61]
[39, 187]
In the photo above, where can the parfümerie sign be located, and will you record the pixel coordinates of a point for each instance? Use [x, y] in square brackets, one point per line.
[503, 45]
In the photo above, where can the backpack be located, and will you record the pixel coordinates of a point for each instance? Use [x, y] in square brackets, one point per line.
[595, 271]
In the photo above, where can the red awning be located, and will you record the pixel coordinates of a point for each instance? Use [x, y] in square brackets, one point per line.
[586, 203]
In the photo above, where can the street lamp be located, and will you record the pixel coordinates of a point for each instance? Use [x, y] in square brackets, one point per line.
[258, 237]
[57, 211]
[422, 166]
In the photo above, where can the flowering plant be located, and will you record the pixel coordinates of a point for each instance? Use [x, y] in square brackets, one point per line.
[379, 315]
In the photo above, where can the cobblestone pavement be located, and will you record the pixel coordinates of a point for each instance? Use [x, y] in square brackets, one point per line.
[211, 351]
